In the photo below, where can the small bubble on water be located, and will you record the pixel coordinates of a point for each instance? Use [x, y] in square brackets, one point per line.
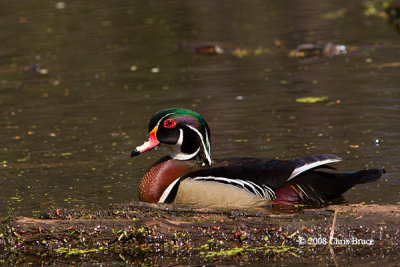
[377, 141]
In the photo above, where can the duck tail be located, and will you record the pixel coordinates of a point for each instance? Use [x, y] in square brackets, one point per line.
[318, 186]
[364, 176]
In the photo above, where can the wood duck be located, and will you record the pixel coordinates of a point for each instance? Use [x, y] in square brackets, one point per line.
[189, 175]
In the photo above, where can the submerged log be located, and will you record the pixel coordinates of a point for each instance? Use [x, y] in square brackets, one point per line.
[140, 233]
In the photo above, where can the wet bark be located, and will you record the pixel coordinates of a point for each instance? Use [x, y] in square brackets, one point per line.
[139, 233]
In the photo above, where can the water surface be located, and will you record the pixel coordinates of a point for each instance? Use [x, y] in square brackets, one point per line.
[66, 133]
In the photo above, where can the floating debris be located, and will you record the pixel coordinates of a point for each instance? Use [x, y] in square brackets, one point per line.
[311, 99]
[368, 60]
[392, 10]
[211, 49]
[34, 67]
[374, 8]
[60, 5]
[312, 50]
[335, 14]
[354, 146]
[43, 71]
[206, 49]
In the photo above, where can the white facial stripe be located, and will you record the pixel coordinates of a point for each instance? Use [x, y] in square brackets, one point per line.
[180, 140]
[206, 151]
[176, 152]
[208, 146]
[158, 123]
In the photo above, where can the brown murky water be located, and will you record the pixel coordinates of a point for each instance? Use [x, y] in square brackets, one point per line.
[66, 131]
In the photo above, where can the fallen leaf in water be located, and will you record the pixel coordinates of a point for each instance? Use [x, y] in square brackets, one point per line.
[311, 99]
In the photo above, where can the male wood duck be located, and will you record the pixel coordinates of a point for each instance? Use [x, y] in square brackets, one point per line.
[189, 175]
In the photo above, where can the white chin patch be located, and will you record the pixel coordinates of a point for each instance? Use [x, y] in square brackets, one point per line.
[179, 155]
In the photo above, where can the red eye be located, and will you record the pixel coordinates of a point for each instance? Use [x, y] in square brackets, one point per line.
[169, 123]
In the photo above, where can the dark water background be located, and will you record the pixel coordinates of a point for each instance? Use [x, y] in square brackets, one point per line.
[66, 135]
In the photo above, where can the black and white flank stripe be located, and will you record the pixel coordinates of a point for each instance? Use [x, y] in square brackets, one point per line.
[263, 191]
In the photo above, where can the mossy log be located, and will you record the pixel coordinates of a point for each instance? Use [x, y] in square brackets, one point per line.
[139, 233]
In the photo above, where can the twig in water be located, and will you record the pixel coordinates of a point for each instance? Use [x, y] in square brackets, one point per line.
[331, 237]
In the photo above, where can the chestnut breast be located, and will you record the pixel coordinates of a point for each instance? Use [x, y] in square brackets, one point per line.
[160, 176]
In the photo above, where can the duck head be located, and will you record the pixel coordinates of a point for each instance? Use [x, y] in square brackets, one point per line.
[184, 131]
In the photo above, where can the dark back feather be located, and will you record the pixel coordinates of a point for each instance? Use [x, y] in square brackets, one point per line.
[270, 172]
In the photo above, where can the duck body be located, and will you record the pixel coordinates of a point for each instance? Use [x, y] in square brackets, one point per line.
[188, 175]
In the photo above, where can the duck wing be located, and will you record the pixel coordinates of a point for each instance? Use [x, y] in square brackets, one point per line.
[307, 163]
[260, 171]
